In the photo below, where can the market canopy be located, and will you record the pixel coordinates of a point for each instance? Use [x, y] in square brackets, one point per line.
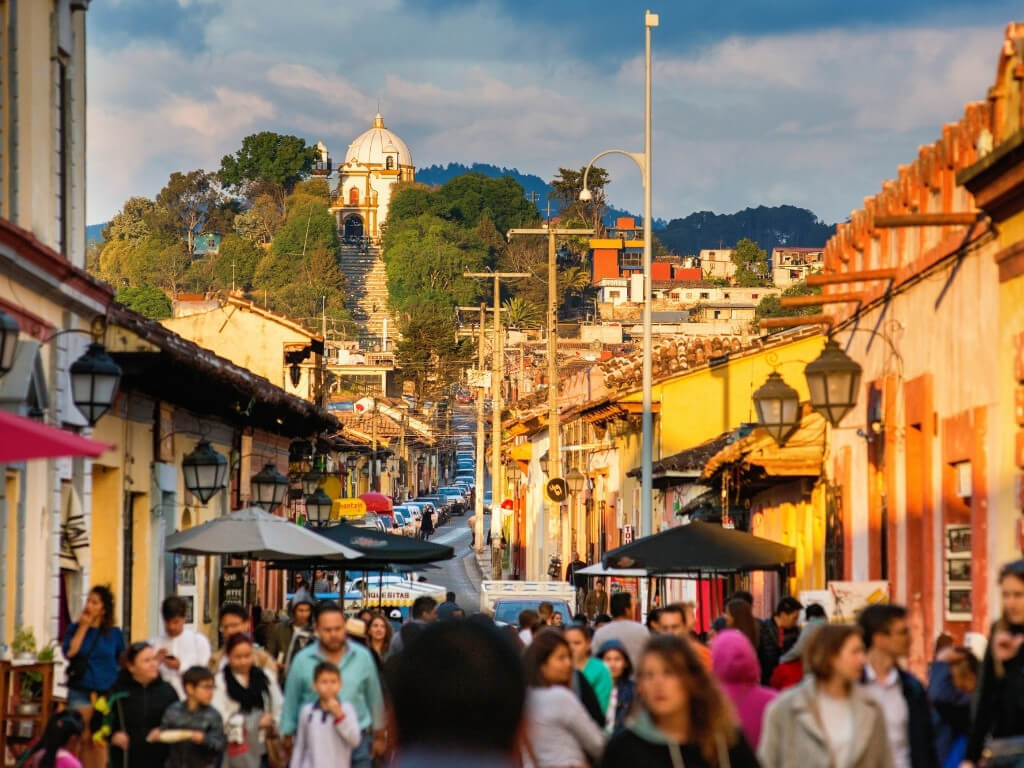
[25, 439]
[377, 502]
[378, 549]
[698, 548]
[256, 534]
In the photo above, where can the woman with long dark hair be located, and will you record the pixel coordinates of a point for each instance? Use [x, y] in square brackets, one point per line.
[613, 654]
[137, 701]
[249, 702]
[93, 648]
[57, 746]
[560, 732]
[740, 616]
[827, 720]
[685, 718]
[378, 634]
[999, 712]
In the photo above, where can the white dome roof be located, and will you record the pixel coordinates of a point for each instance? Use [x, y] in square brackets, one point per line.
[376, 144]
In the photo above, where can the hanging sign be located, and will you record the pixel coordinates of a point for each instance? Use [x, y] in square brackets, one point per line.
[556, 490]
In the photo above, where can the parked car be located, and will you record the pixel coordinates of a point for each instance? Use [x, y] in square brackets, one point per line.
[402, 524]
[387, 523]
[413, 517]
[455, 497]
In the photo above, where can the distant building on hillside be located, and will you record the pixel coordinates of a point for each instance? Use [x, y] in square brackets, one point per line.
[793, 265]
[620, 254]
[717, 264]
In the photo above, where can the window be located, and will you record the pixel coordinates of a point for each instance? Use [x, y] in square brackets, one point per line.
[704, 295]
[353, 196]
[725, 295]
[718, 314]
[754, 295]
[389, 164]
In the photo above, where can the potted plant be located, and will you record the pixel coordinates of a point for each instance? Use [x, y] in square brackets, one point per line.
[30, 692]
[24, 644]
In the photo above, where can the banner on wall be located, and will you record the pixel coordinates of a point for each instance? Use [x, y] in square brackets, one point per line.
[843, 600]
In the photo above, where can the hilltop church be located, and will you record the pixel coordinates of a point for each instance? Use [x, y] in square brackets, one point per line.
[374, 163]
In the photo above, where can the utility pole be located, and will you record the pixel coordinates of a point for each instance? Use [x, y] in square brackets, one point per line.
[478, 493]
[554, 449]
[497, 368]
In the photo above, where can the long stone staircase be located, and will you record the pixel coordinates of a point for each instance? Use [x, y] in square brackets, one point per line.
[368, 291]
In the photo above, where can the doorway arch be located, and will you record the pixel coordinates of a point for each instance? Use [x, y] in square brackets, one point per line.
[354, 227]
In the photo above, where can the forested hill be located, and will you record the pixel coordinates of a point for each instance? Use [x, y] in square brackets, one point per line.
[436, 175]
[769, 227]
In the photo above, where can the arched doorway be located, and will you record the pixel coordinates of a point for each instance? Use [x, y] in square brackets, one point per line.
[354, 227]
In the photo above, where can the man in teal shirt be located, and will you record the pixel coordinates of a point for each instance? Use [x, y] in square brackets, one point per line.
[360, 685]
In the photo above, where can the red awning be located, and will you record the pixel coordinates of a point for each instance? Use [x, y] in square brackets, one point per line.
[377, 502]
[22, 439]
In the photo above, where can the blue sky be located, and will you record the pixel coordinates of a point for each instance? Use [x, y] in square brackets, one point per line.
[755, 102]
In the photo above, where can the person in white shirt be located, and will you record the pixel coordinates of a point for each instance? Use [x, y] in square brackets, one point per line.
[179, 647]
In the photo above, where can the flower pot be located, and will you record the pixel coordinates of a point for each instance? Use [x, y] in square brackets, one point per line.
[28, 708]
[25, 656]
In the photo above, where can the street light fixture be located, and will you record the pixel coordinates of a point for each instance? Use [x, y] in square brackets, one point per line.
[778, 408]
[269, 488]
[311, 481]
[643, 161]
[205, 471]
[575, 480]
[833, 380]
[544, 463]
[318, 508]
[94, 381]
[8, 341]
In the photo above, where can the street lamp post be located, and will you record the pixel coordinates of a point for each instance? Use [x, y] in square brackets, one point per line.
[643, 160]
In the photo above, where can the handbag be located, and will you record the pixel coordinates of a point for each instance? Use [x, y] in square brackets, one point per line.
[78, 664]
[277, 753]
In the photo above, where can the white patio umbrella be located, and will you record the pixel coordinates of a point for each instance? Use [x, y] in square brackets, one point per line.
[257, 535]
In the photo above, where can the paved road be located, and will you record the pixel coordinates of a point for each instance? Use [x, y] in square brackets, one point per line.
[460, 574]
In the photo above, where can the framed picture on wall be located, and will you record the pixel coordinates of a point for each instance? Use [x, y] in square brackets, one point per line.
[958, 569]
[958, 603]
[958, 539]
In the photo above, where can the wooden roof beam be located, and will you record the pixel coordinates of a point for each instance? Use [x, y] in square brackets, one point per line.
[813, 301]
[958, 219]
[863, 275]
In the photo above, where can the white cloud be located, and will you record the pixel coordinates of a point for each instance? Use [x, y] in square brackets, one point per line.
[816, 119]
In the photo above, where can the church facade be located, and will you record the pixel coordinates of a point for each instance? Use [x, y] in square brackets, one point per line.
[374, 163]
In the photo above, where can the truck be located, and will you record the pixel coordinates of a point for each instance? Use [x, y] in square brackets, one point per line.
[505, 599]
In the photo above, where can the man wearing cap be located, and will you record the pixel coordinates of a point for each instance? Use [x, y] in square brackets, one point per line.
[424, 612]
[290, 637]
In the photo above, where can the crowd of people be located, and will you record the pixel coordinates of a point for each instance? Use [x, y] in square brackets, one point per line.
[447, 689]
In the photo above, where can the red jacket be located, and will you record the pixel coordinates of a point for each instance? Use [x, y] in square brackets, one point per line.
[787, 674]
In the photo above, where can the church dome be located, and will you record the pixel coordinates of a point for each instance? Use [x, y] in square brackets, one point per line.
[376, 145]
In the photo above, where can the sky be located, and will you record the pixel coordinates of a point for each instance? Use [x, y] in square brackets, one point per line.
[799, 102]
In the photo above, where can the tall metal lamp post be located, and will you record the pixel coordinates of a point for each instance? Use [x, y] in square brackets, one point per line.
[643, 161]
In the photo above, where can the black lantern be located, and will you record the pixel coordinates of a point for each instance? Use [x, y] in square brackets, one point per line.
[514, 472]
[318, 508]
[575, 480]
[351, 461]
[544, 463]
[778, 408]
[833, 380]
[205, 471]
[311, 481]
[268, 488]
[94, 381]
[8, 341]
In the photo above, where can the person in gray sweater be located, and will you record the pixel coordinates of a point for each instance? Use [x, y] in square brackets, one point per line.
[205, 746]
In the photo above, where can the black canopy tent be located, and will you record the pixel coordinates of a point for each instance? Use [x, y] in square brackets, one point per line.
[698, 550]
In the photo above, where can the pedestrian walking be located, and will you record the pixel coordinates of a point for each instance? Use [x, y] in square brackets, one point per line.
[790, 670]
[302, 591]
[999, 711]
[593, 670]
[740, 616]
[631, 634]
[828, 721]
[205, 747]
[734, 663]
[249, 702]
[93, 647]
[328, 729]
[234, 620]
[776, 634]
[447, 609]
[289, 637]
[58, 746]
[473, 679]
[424, 611]
[427, 524]
[684, 718]
[577, 579]
[379, 635]
[142, 697]
[321, 583]
[179, 647]
[361, 684]
[596, 601]
[528, 621]
[613, 655]
[908, 715]
[952, 681]
[560, 732]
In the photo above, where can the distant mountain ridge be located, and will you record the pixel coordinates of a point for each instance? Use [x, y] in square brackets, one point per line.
[531, 184]
[769, 227]
[94, 232]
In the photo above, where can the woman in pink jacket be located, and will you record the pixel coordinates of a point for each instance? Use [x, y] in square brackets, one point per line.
[734, 663]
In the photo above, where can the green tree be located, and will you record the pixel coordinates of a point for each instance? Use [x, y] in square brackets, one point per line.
[131, 222]
[314, 187]
[565, 191]
[147, 300]
[771, 306]
[428, 353]
[466, 199]
[189, 205]
[261, 221]
[521, 313]
[234, 264]
[317, 286]
[267, 156]
[751, 264]
[409, 201]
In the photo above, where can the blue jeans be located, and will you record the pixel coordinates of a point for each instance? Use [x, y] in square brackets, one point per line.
[361, 755]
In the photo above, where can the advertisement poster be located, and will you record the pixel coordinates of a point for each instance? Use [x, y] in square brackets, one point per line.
[849, 597]
[232, 584]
